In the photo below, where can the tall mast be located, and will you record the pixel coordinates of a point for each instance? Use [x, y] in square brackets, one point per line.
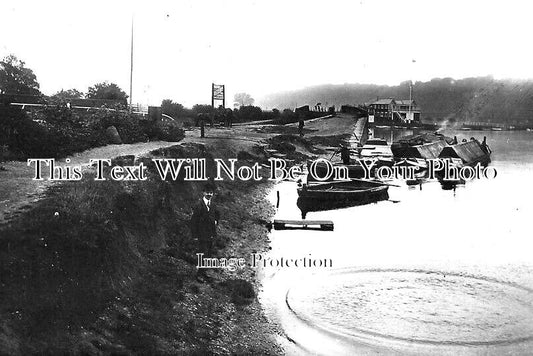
[131, 66]
[411, 90]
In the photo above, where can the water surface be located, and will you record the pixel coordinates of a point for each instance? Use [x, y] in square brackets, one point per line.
[430, 271]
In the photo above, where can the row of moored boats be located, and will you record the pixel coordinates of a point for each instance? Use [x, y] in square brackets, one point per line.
[414, 151]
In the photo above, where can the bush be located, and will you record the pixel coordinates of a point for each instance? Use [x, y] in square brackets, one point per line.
[249, 113]
[167, 131]
[22, 136]
[56, 131]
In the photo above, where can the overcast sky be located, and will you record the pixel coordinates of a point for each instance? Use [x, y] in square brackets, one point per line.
[263, 46]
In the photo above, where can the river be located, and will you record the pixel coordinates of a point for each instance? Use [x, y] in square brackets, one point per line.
[429, 271]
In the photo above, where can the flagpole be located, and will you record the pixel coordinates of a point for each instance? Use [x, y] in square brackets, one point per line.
[411, 90]
[131, 66]
[410, 96]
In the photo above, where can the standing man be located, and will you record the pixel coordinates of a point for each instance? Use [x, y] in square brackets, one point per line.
[204, 223]
[201, 121]
[345, 153]
[229, 115]
[301, 125]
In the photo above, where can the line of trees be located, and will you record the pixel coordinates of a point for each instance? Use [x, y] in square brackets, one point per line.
[103, 91]
[57, 131]
[238, 115]
[17, 80]
[243, 111]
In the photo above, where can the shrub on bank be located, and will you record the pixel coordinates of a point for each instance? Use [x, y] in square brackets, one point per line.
[12, 123]
[165, 131]
[112, 265]
[56, 131]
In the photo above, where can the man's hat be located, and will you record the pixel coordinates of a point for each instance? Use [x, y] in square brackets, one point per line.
[209, 187]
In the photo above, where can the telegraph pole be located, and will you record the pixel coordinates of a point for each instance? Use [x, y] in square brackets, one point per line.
[131, 66]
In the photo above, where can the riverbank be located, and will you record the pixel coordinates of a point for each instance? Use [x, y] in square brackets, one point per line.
[109, 267]
[18, 190]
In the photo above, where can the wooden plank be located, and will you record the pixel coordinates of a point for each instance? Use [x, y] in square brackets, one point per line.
[325, 225]
[278, 155]
[303, 222]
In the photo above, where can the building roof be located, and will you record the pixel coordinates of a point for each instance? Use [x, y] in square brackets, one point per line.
[405, 102]
[385, 101]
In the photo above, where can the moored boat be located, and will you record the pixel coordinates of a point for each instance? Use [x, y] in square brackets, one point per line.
[424, 151]
[376, 147]
[356, 170]
[343, 190]
[468, 153]
[425, 146]
[333, 195]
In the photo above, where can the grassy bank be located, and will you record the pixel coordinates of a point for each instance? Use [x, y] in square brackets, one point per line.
[109, 267]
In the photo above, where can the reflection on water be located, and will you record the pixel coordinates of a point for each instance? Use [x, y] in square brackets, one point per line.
[470, 247]
[309, 205]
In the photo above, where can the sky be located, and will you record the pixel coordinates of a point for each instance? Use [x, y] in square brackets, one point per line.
[263, 46]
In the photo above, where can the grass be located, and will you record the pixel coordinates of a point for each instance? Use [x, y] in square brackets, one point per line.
[109, 267]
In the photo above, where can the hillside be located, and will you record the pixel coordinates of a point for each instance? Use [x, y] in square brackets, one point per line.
[481, 99]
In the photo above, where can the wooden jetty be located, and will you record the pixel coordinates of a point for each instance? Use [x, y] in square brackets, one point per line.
[325, 225]
[360, 133]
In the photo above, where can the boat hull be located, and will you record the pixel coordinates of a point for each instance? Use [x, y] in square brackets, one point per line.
[464, 154]
[340, 194]
[326, 197]
[355, 171]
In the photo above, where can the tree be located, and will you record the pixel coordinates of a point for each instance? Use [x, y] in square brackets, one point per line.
[15, 78]
[172, 108]
[243, 99]
[108, 91]
[203, 109]
[249, 113]
[68, 94]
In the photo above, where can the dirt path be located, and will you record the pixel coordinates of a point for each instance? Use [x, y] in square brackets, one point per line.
[246, 329]
[18, 190]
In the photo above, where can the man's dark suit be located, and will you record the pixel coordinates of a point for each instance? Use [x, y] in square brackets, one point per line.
[203, 226]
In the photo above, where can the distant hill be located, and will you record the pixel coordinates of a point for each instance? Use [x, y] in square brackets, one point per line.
[482, 99]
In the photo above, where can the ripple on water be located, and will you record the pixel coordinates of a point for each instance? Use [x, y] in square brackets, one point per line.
[417, 306]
